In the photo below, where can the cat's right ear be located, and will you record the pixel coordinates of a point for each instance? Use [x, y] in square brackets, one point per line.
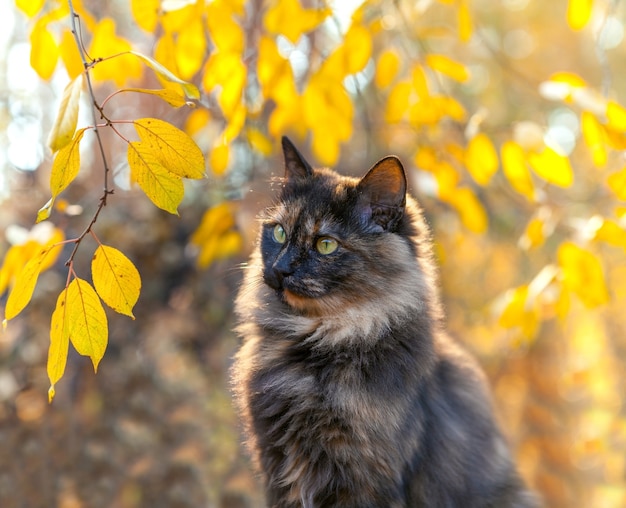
[296, 166]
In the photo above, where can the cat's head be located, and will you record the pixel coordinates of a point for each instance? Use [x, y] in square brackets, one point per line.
[330, 240]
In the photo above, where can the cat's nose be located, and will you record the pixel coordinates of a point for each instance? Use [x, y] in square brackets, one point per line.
[276, 274]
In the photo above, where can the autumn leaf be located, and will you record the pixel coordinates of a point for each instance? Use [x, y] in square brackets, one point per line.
[59, 343]
[165, 189]
[225, 32]
[44, 52]
[470, 210]
[582, 274]
[88, 327]
[516, 170]
[117, 65]
[226, 70]
[216, 235]
[551, 166]
[146, 13]
[579, 13]
[448, 66]
[116, 279]
[520, 312]
[594, 137]
[166, 75]
[464, 19]
[398, 102]
[481, 159]
[70, 56]
[616, 116]
[171, 147]
[65, 168]
[39, 237]
[387, 68]
[289, 19]
[218, 158]
[26, 280]
[172, 97]
[617, 183]
[64, 125]
[191, 48]
[30, 7]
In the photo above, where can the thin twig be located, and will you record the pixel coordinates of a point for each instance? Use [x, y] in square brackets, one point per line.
[96, 109]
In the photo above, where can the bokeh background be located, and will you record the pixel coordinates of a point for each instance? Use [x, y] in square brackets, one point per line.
[508, 117]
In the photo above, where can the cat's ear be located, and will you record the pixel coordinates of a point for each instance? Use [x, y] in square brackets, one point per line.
[382, 193]
[296, 165]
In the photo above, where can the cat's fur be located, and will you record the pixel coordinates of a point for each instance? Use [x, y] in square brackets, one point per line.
[351, 393]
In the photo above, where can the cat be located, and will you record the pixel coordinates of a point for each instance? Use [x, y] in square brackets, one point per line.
[350, 391]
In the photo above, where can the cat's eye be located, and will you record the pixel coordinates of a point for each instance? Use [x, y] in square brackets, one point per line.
[326, 245]
[279, 234]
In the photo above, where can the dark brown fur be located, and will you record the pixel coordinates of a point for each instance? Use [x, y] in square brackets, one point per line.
[351, 393]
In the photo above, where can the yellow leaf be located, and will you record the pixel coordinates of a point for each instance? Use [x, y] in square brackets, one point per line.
[447, 178]
[617, 183]
[327, 103]
[40, 236]
[594, 137]
[351, 56]
[259, 142]
[582, 274]
[70, 55]
[520, 312]
[172, 97]
[225, 32]
[162, 187]
[44, 51]
[387, 68]
[177, 13]
[197, 121]
[106, 44]
[67, 117]
[515, 169]
[163, 73]
[398, 102]
[191, 48]
[470, 210]
[534, 235]
[146, 13]
[612, 233]
[30, 7]
[553, 167]
[216, 235]
[227, 70]
[116, 279]
[465, 21]
[616, 116]
[420, 82]
[59, 343]
[88, 327]
[65, 167]
[171, 148]
[448, 66]
[289, 19]
[25, 282]
[218, 158]
[579, 13]
[215, 221]
[481, 159]
[273, 71]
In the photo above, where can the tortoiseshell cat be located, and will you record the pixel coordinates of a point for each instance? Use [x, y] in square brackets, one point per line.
[351, 392]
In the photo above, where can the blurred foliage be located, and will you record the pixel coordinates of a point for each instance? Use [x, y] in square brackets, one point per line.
[510, 119]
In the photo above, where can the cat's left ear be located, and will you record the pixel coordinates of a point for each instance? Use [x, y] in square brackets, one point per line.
[296, 165]
[383, 193]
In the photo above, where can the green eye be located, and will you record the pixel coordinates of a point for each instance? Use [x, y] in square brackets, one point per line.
[326, 245]
[279, 234]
